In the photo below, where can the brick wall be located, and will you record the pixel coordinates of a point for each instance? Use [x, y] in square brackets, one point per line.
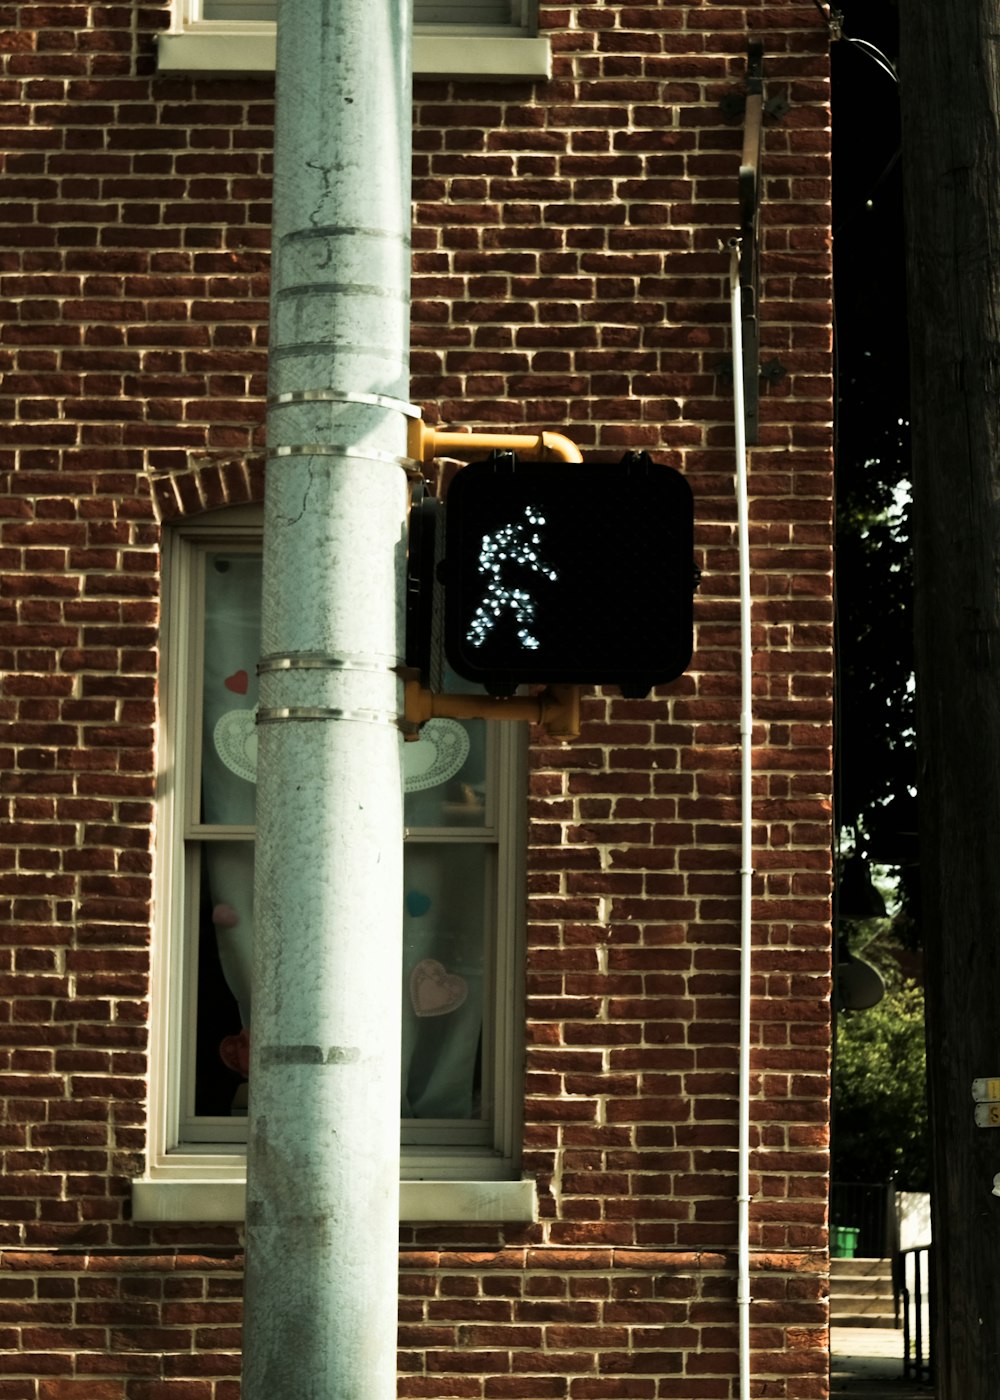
[567, 274]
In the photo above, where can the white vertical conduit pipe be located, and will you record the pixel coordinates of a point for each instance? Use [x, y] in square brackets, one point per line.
[746, 823]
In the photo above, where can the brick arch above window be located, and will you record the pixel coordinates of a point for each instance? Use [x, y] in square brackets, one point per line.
[205, 486]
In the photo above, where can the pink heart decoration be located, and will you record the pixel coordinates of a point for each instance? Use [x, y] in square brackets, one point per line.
[238, 682]
[434, 991]
[234, 1051]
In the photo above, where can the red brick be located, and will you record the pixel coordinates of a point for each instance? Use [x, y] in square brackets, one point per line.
[568, 275]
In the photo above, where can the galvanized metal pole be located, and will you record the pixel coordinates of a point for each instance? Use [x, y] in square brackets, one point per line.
[323, 1168]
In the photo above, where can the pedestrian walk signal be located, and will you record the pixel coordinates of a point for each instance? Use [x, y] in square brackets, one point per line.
[562, 572]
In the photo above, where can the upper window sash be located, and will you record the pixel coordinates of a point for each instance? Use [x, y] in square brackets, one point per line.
[220, 36]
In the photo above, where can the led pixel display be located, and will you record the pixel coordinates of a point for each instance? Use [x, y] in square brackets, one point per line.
[568, 572]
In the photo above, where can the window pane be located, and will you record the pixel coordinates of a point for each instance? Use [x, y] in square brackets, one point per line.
[225, 931]
[456, 1033]
[444, 774]
[445, 939]
[444, 948]
[229, 693]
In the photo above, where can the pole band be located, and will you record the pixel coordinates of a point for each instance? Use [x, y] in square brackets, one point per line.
[289, 713]
[385, 401]
[323, 661]
[338, 449]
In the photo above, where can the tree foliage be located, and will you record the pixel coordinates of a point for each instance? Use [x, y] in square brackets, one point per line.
[877, 762]
[880, 1107]
[880, 1111]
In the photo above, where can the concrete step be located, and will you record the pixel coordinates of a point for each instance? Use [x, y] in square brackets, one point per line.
[864, 1268]
[882, 1316]
[860, 1287]
[861, 1293]
[861, 1302]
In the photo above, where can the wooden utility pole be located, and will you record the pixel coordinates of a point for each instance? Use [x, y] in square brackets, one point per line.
[950, 78]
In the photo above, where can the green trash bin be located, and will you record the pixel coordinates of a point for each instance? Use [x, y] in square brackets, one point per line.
[843, 1241]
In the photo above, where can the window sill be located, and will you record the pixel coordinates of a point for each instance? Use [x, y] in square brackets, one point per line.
[209, 1200]
[444, 55]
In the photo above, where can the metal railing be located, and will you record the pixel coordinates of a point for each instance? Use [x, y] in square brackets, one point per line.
[870, 1207]
[912, 1276]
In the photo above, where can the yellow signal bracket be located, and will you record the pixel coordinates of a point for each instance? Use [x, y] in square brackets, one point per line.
[557, 709]
[424, 444]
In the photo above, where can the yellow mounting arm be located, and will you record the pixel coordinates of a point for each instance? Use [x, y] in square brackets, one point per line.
[425, 444]
[557, 708]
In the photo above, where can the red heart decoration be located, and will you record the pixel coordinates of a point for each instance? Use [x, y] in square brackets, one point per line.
[238, 682]
[234, 1051]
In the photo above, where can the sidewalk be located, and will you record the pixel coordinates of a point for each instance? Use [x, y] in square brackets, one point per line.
[868, 1362]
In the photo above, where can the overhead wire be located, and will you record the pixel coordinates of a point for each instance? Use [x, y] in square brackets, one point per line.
[875, 54]
[834, 20]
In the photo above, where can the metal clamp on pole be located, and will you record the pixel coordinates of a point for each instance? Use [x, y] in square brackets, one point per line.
[322, 661]
[282, 714]
[341, 452]
[331, 395]
[749, 188]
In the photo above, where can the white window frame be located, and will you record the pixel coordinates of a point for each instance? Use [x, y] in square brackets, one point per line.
[453, 1172]
[194, 44]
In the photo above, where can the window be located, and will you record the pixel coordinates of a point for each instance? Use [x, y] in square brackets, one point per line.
[459, 1078]
[238, 36]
